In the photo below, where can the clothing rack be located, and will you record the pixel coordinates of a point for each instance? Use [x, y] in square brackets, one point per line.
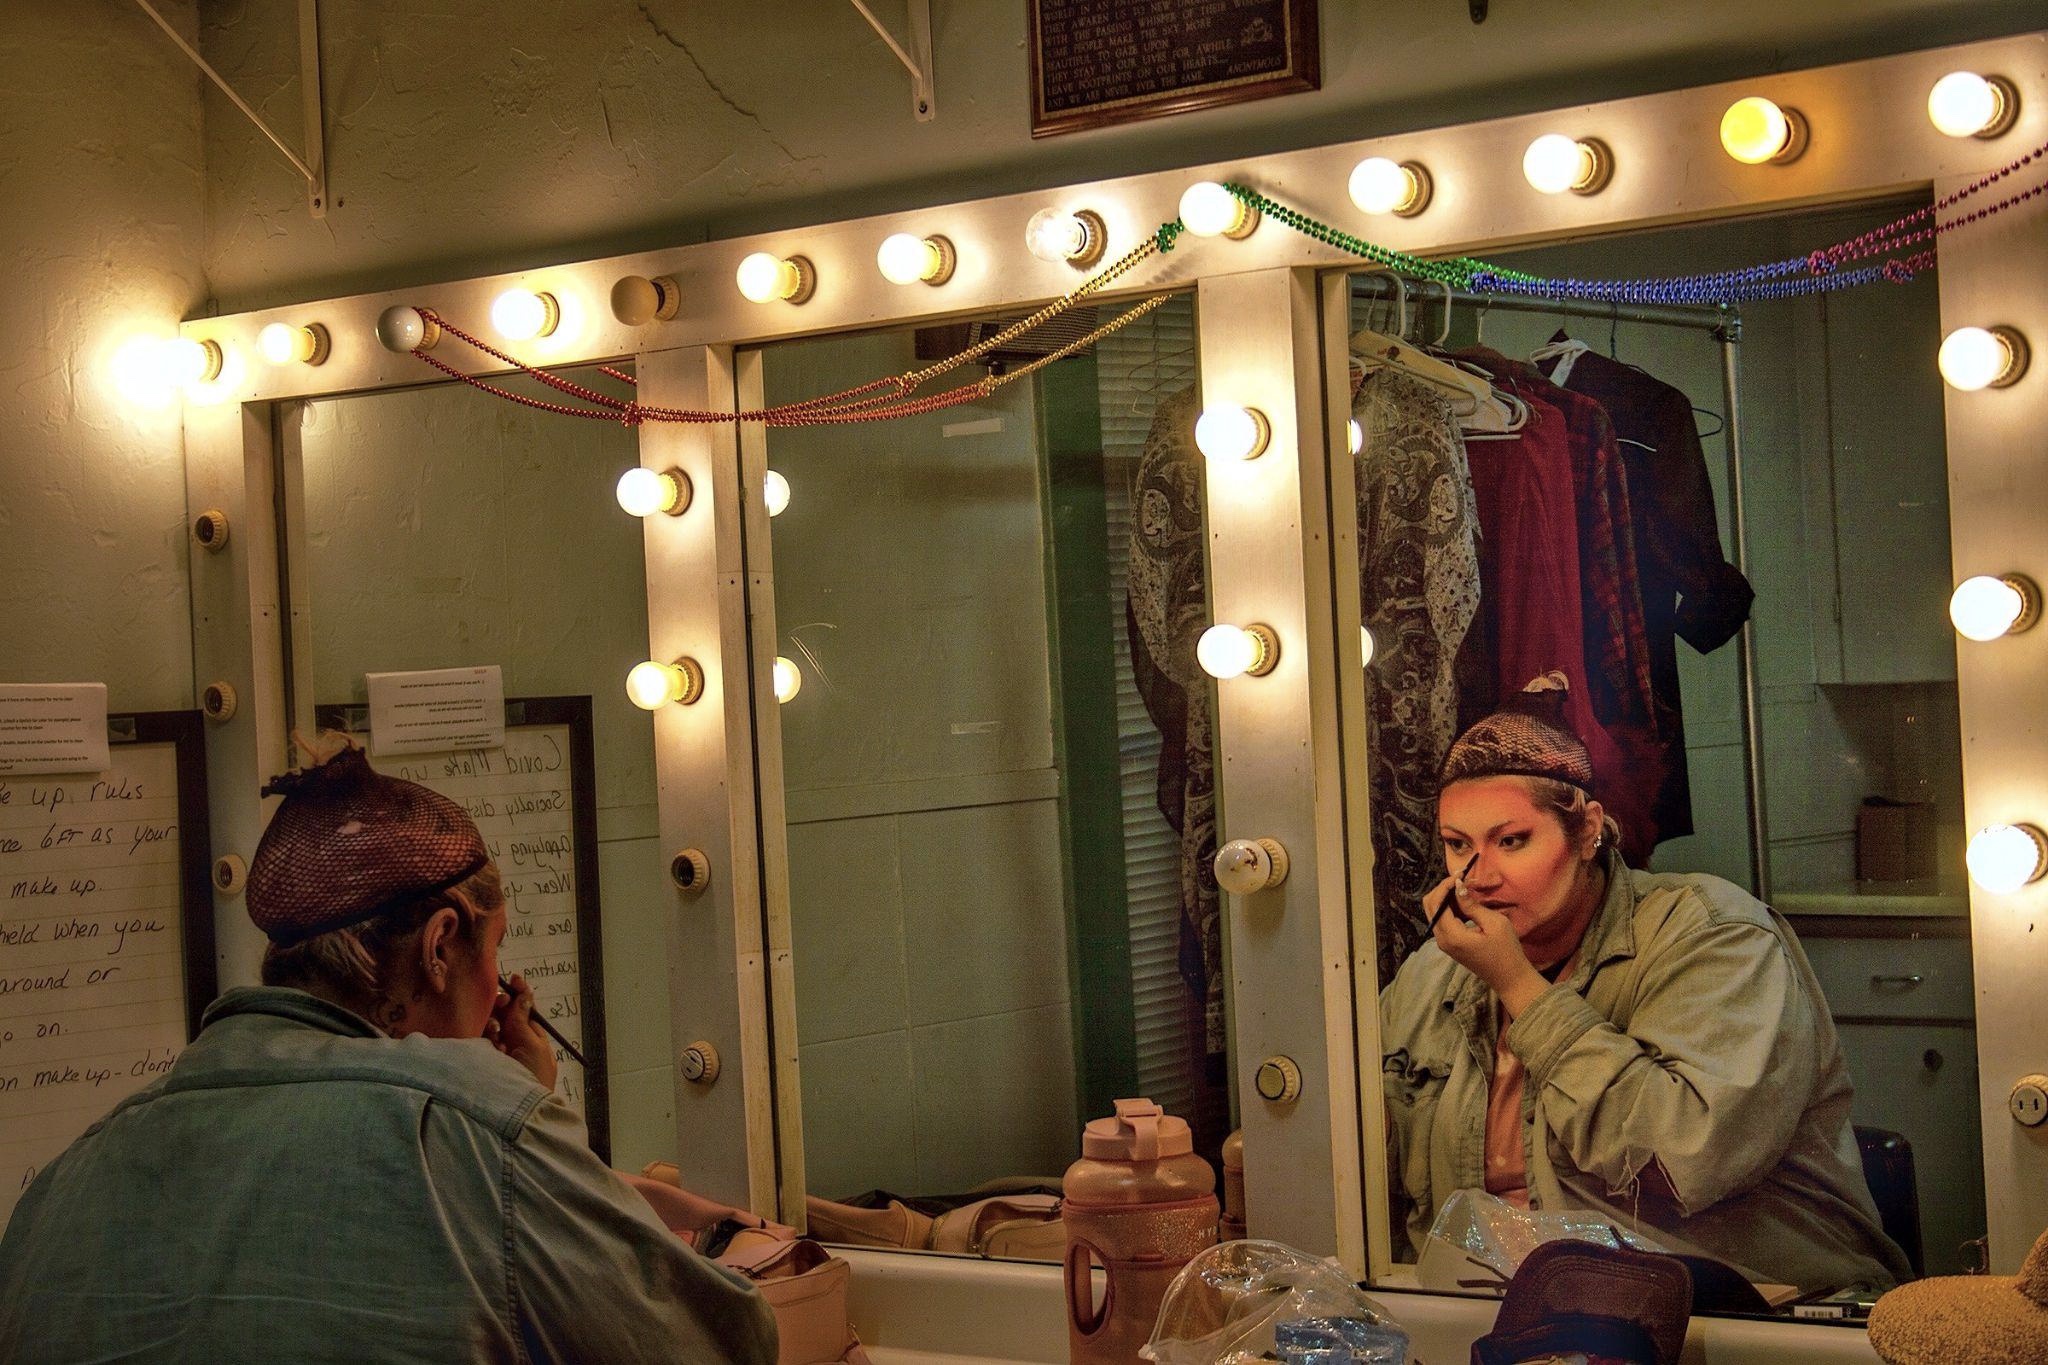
[1724, 324]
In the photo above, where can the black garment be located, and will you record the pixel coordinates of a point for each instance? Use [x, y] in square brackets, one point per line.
[1690, 590]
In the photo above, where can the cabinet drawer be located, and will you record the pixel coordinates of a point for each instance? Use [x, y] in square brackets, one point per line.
[1887, 978]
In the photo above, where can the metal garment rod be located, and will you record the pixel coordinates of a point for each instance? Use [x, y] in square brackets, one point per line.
[309, 54]
[1726, 326]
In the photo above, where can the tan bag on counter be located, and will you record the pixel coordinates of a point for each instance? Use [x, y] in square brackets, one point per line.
[807, 1287]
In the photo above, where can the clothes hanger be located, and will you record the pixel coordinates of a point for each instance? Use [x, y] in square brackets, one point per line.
[1502, 414]
[1380, 350]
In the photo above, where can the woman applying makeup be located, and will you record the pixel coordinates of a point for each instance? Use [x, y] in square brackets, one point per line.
[1578, 1036]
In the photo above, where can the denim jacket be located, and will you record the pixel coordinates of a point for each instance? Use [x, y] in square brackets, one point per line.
[301, 1187]
[1684, 1079]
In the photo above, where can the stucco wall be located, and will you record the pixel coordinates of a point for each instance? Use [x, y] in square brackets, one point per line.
[100, 193]
[465, 138]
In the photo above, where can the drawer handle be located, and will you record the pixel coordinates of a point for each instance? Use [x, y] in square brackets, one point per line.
[1898, 979]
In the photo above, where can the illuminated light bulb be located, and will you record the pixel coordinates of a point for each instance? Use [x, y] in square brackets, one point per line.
[1555, 163]
[2004, 858]
[402, 328]
[1756, 130]
[906, 258]
[522, 314]
[1973, 358]
[1367, 646]
[1986, 608]
[789, 679]
[1355, 435]
[146, 370]
[765, 277]
[1077, 238]
[652, 685]
[1229, 651]
[644, 492]
[1965, 104]
[1397, 187]
[187, 362]
[1207, 209]
[282, 343]
[775, 493]
[1229, 432]
[637, 300]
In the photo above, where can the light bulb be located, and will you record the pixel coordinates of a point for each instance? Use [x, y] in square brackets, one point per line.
[764, 277]
[1229, 432]
[402, 328]
[1226, 651]
[1973, 358]
[1209, 210]
[1756, 130]
[1366, 645]
[1965, 104]
[906, 258]
[653, 685]
[2004, 858]
[522, 314]
[774, 493]
[1555, 163]
[637, 300]
[1057, 235]
[281, 343]
[1985, 608]
[1355, 435]
[186, 362]
[1397, 187]
[789, 679]
[141, 372]
[644, 492]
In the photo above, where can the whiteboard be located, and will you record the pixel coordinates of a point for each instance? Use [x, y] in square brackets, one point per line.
[534, 803]
[102, 968]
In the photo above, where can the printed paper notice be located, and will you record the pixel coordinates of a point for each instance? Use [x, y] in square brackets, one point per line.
[53, 728]
[448, 708]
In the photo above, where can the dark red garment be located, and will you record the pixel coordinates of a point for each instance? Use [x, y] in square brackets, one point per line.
[1689, 589]
[1530, 620]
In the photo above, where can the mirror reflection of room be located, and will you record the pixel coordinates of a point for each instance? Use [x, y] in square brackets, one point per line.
[1763, 1050]
[445, 529]
[998, 786]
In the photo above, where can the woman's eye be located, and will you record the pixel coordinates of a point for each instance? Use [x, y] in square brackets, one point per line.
[1513, 840]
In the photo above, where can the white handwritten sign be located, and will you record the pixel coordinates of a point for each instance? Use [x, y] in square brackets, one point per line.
[521, 799]
[440, 709]
[92, 988]
[53, 728]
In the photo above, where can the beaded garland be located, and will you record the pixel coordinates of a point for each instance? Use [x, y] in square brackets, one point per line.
[1817, 272]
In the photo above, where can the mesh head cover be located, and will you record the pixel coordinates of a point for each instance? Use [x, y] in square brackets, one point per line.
[1528, 737]
[349, 843]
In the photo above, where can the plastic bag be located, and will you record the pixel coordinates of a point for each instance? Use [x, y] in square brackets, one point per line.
[1478, 1241]
[1230, 1302]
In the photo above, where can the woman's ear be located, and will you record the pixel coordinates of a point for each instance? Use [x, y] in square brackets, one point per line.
[437, 944]
[1596, 825]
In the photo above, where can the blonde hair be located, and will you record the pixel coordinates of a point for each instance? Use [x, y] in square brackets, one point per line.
[1569, 804]
[360, 961]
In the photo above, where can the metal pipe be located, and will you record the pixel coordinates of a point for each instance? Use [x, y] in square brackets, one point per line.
[1705, 319]
[1730, 336]
[226, 89]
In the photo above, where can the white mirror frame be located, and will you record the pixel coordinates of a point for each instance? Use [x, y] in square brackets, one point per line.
[1261, 343]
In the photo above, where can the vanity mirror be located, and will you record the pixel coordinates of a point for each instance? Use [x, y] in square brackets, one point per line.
[1729, 530]
[997, 760]
[436, 528]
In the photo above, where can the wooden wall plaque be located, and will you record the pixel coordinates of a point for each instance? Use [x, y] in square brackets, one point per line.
[1096, 63]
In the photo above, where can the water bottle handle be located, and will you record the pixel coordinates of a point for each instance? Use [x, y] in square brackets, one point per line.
[1086, 1318]
[1142, 1117]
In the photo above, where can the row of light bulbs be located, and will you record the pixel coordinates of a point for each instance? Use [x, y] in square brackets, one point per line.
[2001, 858]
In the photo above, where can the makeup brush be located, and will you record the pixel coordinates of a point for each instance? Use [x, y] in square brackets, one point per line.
[1462, 873]
[505, 984]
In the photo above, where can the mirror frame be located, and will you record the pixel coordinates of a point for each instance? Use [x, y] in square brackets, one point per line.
[1260, 326]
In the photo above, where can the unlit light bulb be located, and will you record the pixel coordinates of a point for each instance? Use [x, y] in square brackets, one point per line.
[789, 679]
[775, 493]
[905, 258]
[1207, 209]
[1973, 358]
[1555, 163]
[1379, 185]
[1229, 432]
[522, 314]
[1756, 130]
[1226, 651]
[1965, 104]
[281, 343]
[764, 277]
[644, 492]
[2004, 858]
[1985, 608]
